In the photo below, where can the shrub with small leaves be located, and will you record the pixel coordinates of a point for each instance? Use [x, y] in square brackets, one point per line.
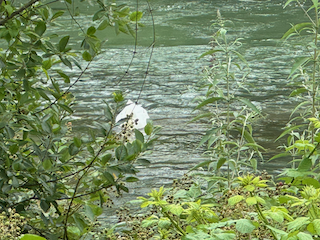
[11, 225]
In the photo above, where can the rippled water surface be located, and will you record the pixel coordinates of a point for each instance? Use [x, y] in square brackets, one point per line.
[182, 35]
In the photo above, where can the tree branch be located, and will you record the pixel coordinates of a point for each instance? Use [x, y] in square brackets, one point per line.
[17, 12]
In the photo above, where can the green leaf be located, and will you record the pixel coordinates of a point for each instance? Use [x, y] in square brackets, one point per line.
[91, 30]
[288, 2]
[305, 165]
[86, 56]
[296, 28]
[121, 153]
[298, 223]
[66, 62]
[132, 179]
[299, 63]
[63, 43]
[164, 223]
[245, 226]
[288, 131]
[316, 226]
[40, 28]
[297, 92]
[77, 142]
[80, 223]
[47, 64]
[47, 164]
[304, 236]
[31, 237]
[73, 149]
[109, 177]
[66, 108]
[139, 135]
[175, 209]
[221, 161]
[210, 52]
[249, 104]
[148, 129]
[14, 148]
[136, 16]
[207, 101]
[251, 201]
[57, 14]
[235, 199]
[105, 23]
[64, 76]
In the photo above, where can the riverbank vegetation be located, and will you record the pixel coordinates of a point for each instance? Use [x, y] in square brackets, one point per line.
[55, 182]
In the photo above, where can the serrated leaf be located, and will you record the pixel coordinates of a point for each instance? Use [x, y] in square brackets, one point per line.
[298, 223]
[245, 226]
[251, 201]
[235, 199]
[175, 209]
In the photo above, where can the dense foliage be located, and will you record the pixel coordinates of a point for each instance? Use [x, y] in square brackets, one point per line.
[56, 179]
[55, 182]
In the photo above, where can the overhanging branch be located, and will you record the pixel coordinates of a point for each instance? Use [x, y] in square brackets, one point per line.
[17, 12]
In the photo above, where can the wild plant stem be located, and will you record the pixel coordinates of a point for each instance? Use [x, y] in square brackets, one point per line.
[175, 224]
[315, 56]
[263, 218]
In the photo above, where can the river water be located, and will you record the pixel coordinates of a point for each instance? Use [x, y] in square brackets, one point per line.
[182, 35]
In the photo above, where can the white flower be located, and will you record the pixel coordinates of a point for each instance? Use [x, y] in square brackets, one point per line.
[135, 117]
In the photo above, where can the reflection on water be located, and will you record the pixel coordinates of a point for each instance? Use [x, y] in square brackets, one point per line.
[182, 33]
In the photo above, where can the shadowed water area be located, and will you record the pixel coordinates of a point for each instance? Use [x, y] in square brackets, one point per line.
[182, 35]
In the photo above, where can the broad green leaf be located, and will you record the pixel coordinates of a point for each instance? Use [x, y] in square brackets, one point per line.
[305, 165]
[105, 23]
[164, 223]
[245, 226]
[277, 216]
[221, 161]
[298, 223]
[31, 237]
[77, 142]
[91, 30]
[311, 182]
[40, 28]
[47, 164]
[86, 56]
[251, 201]
[316, 226]
[109, 177]
[57, 14]
[304, 236]
[235, 199]
[136, 16]
[175, 209]
[207, 101]
[139, 135]
[148, 129]
[63, 43]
